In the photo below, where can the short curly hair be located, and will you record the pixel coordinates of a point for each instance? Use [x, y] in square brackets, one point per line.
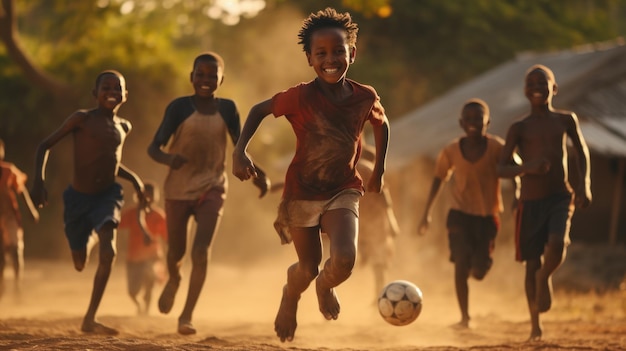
[209, 56]
[476, 102]
[327, 18]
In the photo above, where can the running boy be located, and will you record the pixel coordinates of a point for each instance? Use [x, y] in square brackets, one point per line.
[322, 186]
[546, 203]
[196, 184]
[144, 258]
[473, 219]
[93, 200]
[12, 186]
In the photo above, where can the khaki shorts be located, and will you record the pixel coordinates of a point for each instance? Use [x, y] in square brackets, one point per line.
[307, 214]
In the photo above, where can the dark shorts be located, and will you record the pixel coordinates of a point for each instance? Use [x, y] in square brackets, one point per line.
[203, 210]
[84, 213]
[537, 220]
[472, 238]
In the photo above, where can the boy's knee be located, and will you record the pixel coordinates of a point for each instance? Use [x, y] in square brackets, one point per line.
[344, 264]
[200, 255]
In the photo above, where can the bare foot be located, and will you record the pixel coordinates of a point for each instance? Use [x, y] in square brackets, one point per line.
[186, 328]
[544, 292]
[166, 301]
[328, 301]
[97, 328]
[463, 324]
[285, 323]
[535, 335]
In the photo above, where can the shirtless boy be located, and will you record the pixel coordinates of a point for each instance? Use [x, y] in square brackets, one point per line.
[93, 200]
[546, 199]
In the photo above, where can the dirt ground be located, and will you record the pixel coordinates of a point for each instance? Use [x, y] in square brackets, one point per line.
[237, 308]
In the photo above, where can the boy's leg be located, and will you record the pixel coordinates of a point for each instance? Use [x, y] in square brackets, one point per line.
[341, 226]
[461, 275]
[532, 266]
[308, 247]
[177, 214]
[133, 282]
[149, 278]
[2, 253]
[560, 210]
[106, 235]
[554, 254]
[208, 223]
[17, 259]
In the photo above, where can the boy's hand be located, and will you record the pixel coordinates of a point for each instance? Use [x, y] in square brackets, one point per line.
[243, 167]
[424, 225]
[39, 195]
[582, 197]
[263, 183]
[375, 185]
[176, 161]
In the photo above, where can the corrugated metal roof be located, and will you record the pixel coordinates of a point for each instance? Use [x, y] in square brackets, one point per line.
[585, 77]
[604, 141]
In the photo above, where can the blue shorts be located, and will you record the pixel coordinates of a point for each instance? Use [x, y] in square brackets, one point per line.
[84, 213]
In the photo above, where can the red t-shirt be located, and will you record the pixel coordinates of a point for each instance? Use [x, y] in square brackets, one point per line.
[328, 136]
[137, 250]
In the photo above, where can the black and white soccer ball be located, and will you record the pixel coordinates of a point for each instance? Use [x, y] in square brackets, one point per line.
[400, 302]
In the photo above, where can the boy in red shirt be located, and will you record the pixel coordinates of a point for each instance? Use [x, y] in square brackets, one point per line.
[322, 186]
[143, 258]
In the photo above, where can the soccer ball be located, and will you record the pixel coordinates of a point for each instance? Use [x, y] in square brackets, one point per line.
[400, 302]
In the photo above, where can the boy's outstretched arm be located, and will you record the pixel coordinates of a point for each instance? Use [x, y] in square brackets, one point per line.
[32, 209]
[126, 173]
[432, 195]
[243, 168]
[381, 140]
[583, 195]
[38, 193]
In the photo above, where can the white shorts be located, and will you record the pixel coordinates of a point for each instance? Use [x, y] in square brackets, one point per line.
[307, 214]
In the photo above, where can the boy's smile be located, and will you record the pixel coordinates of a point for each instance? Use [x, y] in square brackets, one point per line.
[206, 78]
[111, 91]
[330, 54]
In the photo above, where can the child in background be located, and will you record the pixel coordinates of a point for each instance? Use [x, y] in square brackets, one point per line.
[378, 226]
[546, 200]
[322, 186]
[198, 126]
[144, 259]
[92, 202]
[473, 220]
[12, 186]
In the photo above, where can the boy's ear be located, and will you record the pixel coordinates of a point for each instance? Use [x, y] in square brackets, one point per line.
[555, 89]
[308, 59]
[222, 80]
[94, 92]
[191, 76]
[352, 54]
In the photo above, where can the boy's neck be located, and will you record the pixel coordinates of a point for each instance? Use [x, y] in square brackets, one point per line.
[105, 112]
[337, 91]
[541, 110]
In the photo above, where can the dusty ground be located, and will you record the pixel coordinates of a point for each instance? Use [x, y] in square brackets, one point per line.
[237, 309]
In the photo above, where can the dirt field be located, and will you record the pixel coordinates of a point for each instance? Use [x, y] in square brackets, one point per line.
[237, 308]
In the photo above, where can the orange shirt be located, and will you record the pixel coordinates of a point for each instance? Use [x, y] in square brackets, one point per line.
[137, 250]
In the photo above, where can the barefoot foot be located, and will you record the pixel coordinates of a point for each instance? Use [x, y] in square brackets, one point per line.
[328, 301]
[285, 323]
[97, 328]
[186, 328]
[544, 292]
[166, 301]
[535, 335]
